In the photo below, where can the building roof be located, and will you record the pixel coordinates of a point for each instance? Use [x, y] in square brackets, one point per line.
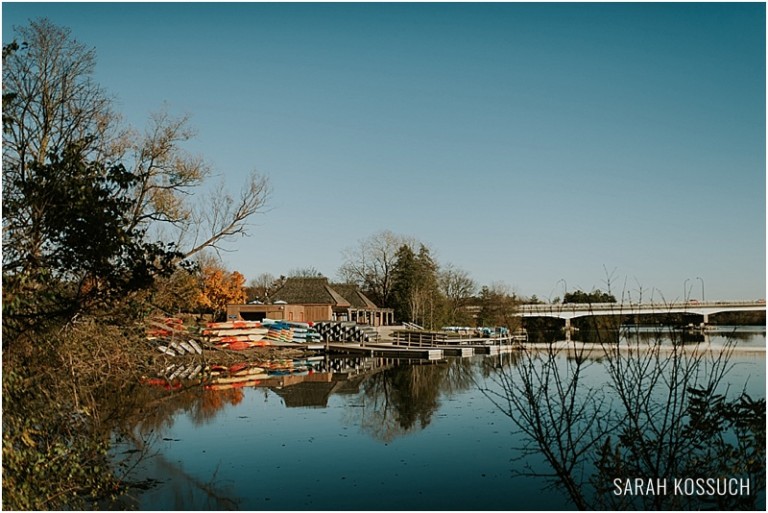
[353, 294]
[309, 291]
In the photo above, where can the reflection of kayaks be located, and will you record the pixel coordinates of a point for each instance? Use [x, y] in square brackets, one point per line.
[239, 379]
[229, 386]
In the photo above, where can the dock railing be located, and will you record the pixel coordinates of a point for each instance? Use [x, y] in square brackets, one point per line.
[423, 338]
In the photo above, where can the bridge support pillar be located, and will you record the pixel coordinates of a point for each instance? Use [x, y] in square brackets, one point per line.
[705, 321]
[568, 329]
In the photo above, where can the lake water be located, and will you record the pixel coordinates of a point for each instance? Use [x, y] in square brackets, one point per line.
[357, 434]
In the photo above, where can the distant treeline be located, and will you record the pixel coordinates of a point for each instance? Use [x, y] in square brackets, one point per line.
[671, 319]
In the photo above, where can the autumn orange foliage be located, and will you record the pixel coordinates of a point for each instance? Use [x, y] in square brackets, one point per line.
[221, 288]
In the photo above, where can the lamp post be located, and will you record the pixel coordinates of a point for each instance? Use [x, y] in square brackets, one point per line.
[685, 289]
[702, 288]
[565, 287]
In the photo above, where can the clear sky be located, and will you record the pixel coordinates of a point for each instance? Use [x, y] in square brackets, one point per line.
[533, 144]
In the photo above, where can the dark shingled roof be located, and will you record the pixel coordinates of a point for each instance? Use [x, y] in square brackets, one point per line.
[297, 291]
[306, 394]
[352, 294]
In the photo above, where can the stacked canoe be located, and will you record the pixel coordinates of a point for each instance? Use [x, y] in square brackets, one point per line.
[345, 332]
[290, 331]
[172, 337]
[236, 335]
[278, 331]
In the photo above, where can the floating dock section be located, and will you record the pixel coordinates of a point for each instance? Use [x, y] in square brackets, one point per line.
[387, 351]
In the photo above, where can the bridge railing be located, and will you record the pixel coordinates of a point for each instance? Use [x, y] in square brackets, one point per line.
[630, 307]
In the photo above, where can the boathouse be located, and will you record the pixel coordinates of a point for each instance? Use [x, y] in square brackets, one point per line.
[314, 299]
[362, 310]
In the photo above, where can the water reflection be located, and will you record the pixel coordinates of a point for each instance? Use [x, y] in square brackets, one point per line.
[362, 427]
[641, 420]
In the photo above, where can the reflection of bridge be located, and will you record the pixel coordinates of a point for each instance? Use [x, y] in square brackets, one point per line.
[570, 311]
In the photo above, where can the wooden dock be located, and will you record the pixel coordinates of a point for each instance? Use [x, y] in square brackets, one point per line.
[429, 345]
[387, 351]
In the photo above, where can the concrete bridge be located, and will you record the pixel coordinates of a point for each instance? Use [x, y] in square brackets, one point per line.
[570, 311]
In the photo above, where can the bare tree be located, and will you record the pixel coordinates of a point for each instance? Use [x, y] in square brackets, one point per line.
[168, 178]
[370, 264]
[167, 174]
[547, 401]
[261, 286]
[305, 272]
[458, 287]
[51, 101]
[220, 217]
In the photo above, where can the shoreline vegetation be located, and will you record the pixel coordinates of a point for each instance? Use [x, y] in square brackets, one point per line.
[587, 348]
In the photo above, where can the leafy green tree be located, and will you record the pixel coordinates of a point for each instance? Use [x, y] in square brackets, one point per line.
[68, 241]
[429, 297]
[404, 277]
[414, 288]
[596, 296]
[497, 307]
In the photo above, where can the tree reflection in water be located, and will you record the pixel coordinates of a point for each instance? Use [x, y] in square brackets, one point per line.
[395, 400]
[654, 408]
[404, 397]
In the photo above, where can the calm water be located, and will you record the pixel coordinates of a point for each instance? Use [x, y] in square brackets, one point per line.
[380, 435]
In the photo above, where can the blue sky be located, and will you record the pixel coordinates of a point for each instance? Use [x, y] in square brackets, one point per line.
[532, 144]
